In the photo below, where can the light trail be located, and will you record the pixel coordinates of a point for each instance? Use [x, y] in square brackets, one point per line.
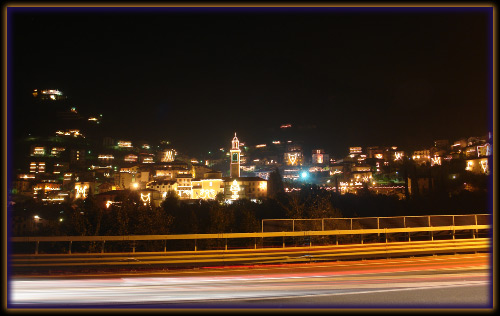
[266, 283]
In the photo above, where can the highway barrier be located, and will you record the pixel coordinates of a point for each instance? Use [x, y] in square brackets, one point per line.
[286, 246]
[175, 259]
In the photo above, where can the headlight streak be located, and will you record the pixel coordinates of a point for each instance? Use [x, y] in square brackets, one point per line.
[247, 285]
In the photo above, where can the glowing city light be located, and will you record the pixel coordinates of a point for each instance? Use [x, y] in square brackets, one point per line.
[436, 161]
[124, 144]
[168, 156]
[235, 188]
[81, 191]
[146, 198]
[469, 166]
[398, 156]
[484, 165]
[206, 194]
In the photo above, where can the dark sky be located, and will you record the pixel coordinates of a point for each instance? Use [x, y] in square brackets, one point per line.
[359, 76]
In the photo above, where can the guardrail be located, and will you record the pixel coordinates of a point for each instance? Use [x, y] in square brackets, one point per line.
[161, 260]
[225, 236]
[296, 224]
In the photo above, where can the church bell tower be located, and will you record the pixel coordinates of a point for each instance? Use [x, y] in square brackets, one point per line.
[235, 158]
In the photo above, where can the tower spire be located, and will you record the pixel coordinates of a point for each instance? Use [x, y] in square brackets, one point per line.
[235, 157]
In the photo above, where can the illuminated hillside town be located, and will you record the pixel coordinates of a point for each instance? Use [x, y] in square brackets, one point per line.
[77, 162]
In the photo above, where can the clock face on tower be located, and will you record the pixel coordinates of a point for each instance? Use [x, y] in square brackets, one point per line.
[234, 157]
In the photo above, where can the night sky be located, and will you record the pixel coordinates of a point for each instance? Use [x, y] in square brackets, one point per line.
[342, 76]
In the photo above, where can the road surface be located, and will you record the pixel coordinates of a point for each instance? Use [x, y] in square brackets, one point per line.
[451, 281]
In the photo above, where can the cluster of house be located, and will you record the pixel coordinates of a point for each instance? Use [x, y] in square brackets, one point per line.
[153, 181]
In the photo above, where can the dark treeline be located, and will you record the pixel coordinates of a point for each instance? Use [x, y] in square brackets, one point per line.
[174, 216]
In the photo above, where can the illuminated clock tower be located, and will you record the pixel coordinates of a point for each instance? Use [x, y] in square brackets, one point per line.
[235, 158]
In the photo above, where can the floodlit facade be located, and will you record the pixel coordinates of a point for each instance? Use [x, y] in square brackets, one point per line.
[206, 189]
[252, 188]
[478, 165]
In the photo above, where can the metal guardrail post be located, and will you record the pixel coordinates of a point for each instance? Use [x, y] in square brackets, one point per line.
[351, 223]
[195, 248]
[283, 241]
[378, 225]
[293, 225]
[36, 247]
[102, 249]
[225, 248]
[322, 224]
[475, 222]
[431, 233]
[164, 246]
[69, 250]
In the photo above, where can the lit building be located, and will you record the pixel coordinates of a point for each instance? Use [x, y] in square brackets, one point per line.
[146, 158]
[436, 161]
[199, 170]
[184, 187]
[131, 158]
[83, 189]
[336, 169]
[48, 94]
[355, 150]
[69, 133]
[235, 158]
[40, 190]
[478, 165]
[77, 156]
[319, 157]
[105, 158]
[167, 155]
[56, 151]
[37, 167]
[379, 152]
[293, 156]
[37, 151]
[207, 189]
[150, 197]
[170, 172]
[252, 188]
[421, 156]
[60, 167]
[124, 144]
[398, 155]
[106, 187]
[484, 150]
[163, 186]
